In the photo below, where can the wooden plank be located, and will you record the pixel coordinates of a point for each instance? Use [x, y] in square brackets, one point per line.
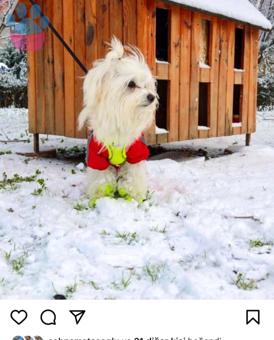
[49, 74]
[246, 78]
[238, 77]
[222, 78]
[40, 87]
[80, 51]
[32, 92]
[194, 75]
[142, 27]
[253, 80]
[236, 130]
[230, 77]
[205, 75]
[186, 19]
[151, 37]
[162, 71]
[151, 56]
[162, 138]
[203, 133]
[58, 53]
[130, 22]
[91, 32]
[103, 30]
[116, 20]
[174, 74]
[214, 85]
[68, 31]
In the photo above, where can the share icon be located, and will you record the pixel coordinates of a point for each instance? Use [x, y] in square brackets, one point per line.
[78, 314]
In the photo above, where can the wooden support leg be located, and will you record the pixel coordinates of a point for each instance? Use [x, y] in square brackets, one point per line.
[36, 142]
[247, 139]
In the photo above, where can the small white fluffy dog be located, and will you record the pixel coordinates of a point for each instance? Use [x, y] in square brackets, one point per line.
[120, 101]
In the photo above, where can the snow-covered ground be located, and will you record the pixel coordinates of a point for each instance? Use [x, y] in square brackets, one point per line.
[206, 232]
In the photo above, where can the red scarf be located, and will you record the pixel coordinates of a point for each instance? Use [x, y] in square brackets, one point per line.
[98, 156]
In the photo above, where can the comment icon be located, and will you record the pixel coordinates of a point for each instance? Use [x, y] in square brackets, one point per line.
[48, 317]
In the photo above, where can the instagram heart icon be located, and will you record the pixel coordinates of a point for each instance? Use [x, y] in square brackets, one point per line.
[19, 316]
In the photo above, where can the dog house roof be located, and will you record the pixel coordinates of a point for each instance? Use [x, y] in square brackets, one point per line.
[240, 10]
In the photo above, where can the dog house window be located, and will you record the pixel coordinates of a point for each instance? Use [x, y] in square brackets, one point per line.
[239, 48]
[161, 115]
[237, 103]
[204, 104]
[205, 42]
[162, 34]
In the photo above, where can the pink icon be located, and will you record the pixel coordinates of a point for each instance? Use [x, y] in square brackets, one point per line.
[28, 42]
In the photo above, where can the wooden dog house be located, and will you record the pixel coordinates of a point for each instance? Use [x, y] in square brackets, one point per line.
[203, 53]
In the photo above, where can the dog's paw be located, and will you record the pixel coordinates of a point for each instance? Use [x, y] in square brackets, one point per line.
[122, 192]
[104, 190]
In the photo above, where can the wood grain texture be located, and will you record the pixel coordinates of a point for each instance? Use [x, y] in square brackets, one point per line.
[116, 18]
[130, 22]
[214, 85]
[246, 79]
[59, 86]
[253, 80]
[142, 27]
[32, 92]
[205, 75]
[203, 134]
[223, 68]
[49, 73]
[174, 74]
[103, 27]
[80, 51]
[40, 87]
[91, 32]
[186, 27]
[194, 76]
[162, 138]
[238, 77]
[68, 29]
[162, 71]
[150, 136]
[230, 78]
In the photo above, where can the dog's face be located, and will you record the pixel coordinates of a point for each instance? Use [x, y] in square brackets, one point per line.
[120, 95]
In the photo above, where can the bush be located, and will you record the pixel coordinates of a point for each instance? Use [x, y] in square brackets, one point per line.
[13, 83]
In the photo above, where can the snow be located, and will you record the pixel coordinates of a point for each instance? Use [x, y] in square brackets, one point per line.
[240, 10]
[206, 232]
[3, 67]
[160, 131]
[202, 65]
[234, 125]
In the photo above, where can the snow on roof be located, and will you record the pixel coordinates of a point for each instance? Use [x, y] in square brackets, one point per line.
[240, 10]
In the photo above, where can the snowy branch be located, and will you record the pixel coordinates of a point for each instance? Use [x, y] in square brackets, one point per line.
[6, 8]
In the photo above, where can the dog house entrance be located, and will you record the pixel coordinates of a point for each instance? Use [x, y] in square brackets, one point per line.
[161, 114]
[205, 42]
[162, 34]
[239, 49]
[237, 103]
[204, 104]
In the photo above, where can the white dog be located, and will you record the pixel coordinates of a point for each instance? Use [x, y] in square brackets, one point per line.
[120, 101]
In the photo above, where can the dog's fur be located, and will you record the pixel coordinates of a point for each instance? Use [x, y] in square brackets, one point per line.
[118, 114]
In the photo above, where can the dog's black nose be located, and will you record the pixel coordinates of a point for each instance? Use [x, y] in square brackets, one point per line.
[150, 98]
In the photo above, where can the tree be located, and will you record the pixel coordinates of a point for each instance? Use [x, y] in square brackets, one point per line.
[266, 57]
[6, 8]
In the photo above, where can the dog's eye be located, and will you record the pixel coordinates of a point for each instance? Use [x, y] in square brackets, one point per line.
[132, 84]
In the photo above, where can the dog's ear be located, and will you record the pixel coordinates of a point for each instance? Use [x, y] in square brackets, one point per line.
[93, 84]
[94, 81]
[83, 118]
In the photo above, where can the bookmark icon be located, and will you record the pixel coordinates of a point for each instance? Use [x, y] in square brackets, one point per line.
[78, 314]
